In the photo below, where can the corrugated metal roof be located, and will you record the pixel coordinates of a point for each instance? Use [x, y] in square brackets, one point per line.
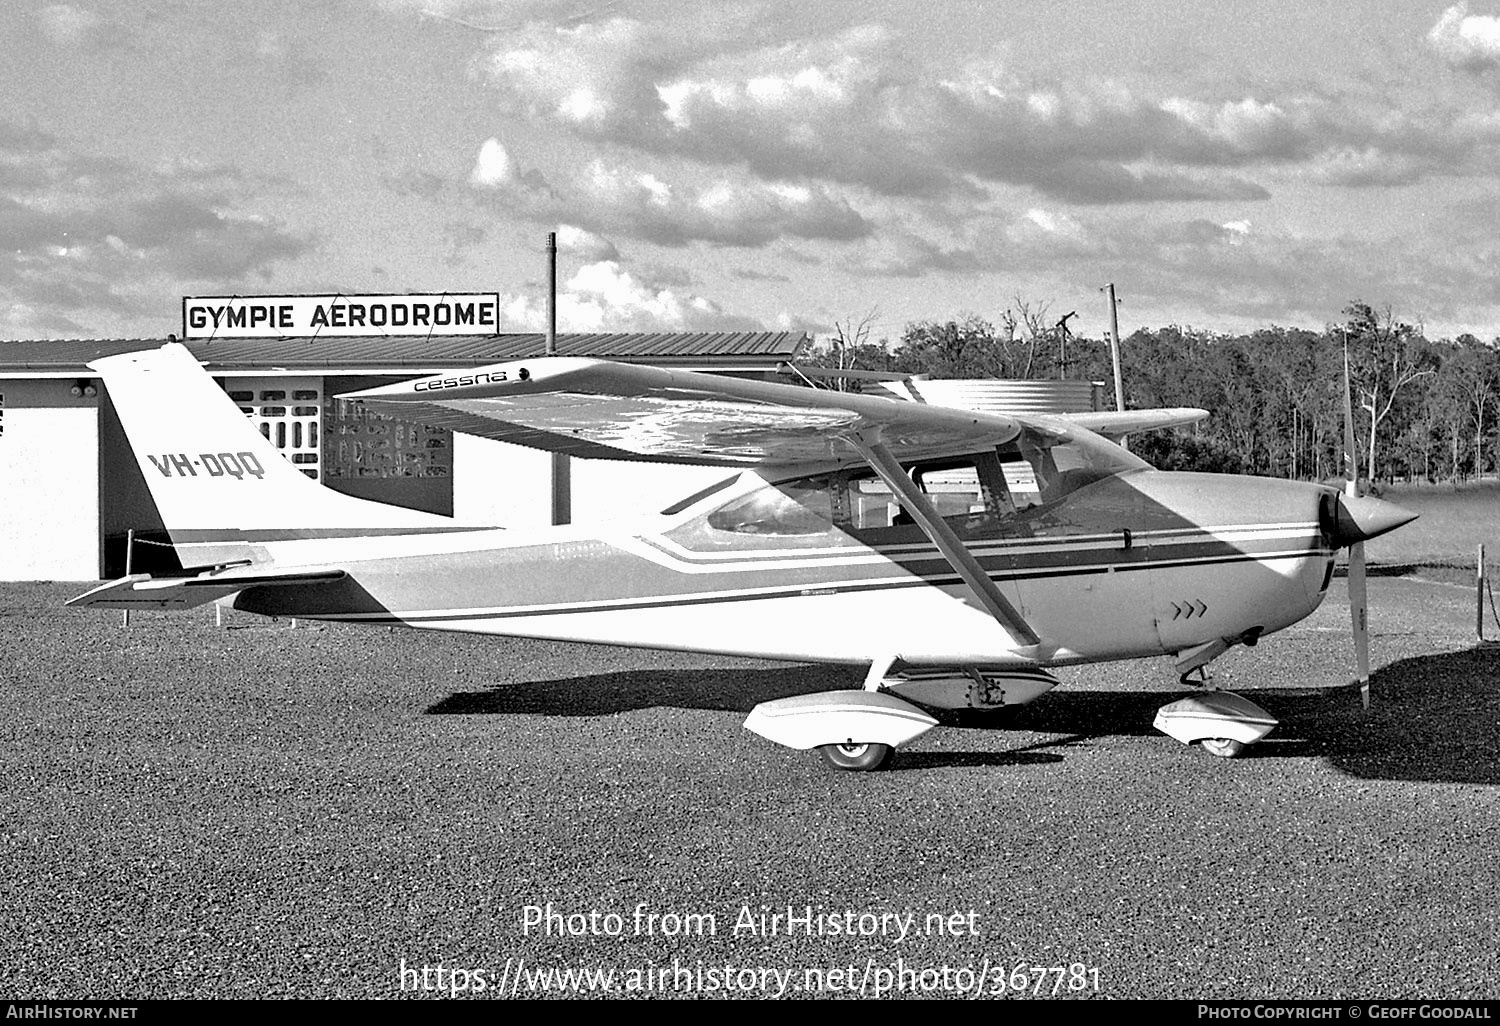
[706, 348]
[999, 395]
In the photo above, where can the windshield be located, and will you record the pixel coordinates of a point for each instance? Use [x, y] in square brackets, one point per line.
[699, 496]
[1059, 468]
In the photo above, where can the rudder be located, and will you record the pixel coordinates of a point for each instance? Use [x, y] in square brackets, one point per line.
[213, 476]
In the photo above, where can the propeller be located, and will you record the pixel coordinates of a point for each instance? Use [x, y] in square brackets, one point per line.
[1359, 610]
[1350, 520]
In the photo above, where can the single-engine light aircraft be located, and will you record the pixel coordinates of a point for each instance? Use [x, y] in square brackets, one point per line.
[957, 554]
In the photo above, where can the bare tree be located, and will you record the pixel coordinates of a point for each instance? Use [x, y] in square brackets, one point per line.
[1389, 355]
[1471, 370]
[1028, 320]
[852, 349]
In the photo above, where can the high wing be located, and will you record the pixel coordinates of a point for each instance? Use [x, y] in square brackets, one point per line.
[597, 408]
[1115, 424]
[586, 407]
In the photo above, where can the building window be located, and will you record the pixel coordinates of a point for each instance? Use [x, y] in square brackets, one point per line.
[294, 430]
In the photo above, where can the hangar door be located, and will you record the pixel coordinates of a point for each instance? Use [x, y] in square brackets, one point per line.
[49, 482]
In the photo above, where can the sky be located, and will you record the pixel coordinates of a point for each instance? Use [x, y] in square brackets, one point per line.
[776, 165]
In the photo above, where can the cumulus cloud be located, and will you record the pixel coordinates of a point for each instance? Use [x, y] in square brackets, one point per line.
[850, 108]
[492, 167]
[603, 296]
[853, 108]
[795, 322]
[581, 242]
[71, 27]
[1469, 42]
[86, 235]
[1370, 166]
[609, 198]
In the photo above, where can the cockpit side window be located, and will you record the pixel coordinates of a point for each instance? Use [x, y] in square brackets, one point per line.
[990, 493]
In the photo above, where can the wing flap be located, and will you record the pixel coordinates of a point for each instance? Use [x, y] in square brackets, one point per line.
[598, 408]
[142, 591]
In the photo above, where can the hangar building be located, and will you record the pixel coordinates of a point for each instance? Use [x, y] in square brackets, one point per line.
[69, 491]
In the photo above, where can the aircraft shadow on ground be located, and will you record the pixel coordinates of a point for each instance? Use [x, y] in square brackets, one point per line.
[602, 694]
[1434, 717]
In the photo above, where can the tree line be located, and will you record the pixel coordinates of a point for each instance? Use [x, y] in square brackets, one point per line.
[1424, 409]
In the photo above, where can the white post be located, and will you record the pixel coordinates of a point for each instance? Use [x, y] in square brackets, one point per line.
[1479, 596]
[562, 470]
[129, 551]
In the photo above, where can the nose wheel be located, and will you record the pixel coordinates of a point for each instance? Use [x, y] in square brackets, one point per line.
[1225, 723]
[861, 756]
[1223, 747]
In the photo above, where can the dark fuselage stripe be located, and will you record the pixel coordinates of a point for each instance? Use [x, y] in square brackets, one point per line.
[923, 581]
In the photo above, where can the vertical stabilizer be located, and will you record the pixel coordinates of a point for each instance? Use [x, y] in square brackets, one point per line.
[213, 476]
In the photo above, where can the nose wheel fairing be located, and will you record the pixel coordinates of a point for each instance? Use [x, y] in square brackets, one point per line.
[1222, 720]
[859, 730]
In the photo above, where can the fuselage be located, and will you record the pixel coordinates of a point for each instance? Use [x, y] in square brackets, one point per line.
[1125, 564]
[856, 529]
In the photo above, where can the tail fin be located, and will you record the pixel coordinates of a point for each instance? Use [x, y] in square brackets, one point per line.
[215, 479]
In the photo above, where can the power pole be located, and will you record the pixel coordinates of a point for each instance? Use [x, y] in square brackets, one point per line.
[1114, 344]
[1062, 339]
[562, 470]
[1114, 352]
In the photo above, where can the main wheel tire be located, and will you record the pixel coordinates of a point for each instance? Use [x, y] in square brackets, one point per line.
[1223, 747]
[861, 757]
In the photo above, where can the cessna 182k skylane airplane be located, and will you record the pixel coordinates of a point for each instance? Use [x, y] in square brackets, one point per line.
[956, 553]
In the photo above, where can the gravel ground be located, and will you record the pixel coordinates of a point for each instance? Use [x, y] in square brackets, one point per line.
[257, 811]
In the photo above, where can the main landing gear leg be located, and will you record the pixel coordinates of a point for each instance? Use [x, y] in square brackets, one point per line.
[1224, 722]
[863, 756]
[852, 730]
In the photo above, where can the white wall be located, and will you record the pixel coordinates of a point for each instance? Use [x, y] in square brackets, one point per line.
[497, 484]
[608, 490]
[505, 485]
[49, 483]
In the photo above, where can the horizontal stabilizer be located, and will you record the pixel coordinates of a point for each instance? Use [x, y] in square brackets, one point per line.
[142, 591]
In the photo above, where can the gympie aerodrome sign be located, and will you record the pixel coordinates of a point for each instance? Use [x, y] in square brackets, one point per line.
[207, 317]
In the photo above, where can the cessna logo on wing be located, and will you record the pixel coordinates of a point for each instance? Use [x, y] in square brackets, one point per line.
[459, 382]
[224, 464]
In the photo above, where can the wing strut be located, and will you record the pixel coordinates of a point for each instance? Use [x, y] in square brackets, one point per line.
[948, 543]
